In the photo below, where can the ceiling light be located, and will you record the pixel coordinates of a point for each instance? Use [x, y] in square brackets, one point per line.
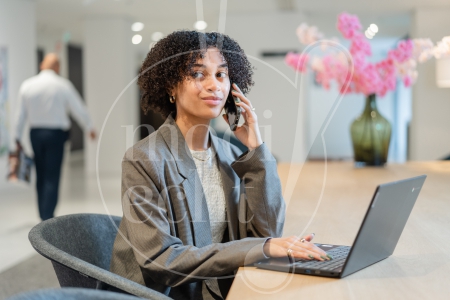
[156, 36]
[137, 26]
[368, 35]
[200, 25]
[373, 28]
[136, 39]
[369, 32]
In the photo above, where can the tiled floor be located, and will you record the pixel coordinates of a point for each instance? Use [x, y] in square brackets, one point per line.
[79, 193]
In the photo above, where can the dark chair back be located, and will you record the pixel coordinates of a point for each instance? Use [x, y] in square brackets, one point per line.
[85, 236]
[80, 247]
[71, 294]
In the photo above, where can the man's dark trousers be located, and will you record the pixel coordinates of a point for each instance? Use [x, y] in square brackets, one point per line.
[48, 147]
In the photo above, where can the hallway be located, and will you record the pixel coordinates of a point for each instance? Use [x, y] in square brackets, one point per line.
[79, 193]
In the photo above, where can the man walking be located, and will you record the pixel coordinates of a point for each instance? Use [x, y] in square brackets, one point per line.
[45, 101]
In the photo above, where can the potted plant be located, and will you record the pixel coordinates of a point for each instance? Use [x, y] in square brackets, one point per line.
[351, 70]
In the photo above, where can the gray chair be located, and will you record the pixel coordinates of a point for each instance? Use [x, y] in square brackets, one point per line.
[71, 294]
[79, 247]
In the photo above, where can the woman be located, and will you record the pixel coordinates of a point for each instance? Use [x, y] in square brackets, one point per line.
[195, 208]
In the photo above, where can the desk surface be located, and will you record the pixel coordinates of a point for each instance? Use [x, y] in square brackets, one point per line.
[330, 200]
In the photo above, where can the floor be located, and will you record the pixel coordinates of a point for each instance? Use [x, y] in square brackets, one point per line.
[34, 273]
[79, 193]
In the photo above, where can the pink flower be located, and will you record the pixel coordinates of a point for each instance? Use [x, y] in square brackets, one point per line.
[308, 34]
[323, 79]
[343, 74]
[423, 49]
[387, 71]
[407, 81]
[359, 61]
[325, 75]
[348, 25]
[372, 80]
[403, 52]
[360, 45]
[367, 78]
[297, 61]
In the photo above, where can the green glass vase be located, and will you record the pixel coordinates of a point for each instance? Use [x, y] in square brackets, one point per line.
[371, 135]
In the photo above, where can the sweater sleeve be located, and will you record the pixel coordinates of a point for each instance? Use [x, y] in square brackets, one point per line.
[264, 203]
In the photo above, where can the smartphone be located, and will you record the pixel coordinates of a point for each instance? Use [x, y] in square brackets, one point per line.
[233, 111]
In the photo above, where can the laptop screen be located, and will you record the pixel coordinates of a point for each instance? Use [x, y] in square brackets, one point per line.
[383, 224]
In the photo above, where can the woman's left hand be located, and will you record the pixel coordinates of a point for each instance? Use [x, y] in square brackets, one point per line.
[248, 133]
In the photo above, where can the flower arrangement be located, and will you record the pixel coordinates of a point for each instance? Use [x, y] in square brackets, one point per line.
[368, 77]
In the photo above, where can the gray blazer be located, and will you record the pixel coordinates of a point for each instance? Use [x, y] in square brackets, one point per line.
[164, 239]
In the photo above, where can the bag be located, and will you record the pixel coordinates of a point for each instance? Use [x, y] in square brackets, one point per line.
[19, 166]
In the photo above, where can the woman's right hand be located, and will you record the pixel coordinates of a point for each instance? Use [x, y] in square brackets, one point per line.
[278, 247]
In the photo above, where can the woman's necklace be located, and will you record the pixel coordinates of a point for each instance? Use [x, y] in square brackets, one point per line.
[202, 155]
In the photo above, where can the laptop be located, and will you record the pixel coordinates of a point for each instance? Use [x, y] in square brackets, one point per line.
[377, 237]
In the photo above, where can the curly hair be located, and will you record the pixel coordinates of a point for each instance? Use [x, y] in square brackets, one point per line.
[170, 60]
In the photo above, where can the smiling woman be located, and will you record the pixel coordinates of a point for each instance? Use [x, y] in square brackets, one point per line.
[172, 60]
[202, 95]
[196, 208]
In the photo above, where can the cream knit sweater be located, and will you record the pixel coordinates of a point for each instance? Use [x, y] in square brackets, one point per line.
[208, 171]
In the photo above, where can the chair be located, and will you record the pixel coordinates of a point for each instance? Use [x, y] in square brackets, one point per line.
[71, 294]
[79, 247]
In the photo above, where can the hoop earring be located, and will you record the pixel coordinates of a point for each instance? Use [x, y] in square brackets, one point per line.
[172, 99]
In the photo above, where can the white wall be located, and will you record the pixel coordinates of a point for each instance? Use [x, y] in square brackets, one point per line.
[430, 126]
[109, 66]
[18, 34]
[51, 42]
[276, 89]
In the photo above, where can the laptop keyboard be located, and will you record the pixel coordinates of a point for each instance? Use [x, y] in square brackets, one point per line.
[339, 255]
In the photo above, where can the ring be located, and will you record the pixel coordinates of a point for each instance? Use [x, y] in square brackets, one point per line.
[302, 240]
[253, 109]
[289, 253]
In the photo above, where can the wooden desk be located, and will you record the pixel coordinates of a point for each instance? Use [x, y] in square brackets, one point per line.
[420, 265]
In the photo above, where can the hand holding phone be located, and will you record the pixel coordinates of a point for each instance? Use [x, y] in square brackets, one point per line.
[233, 111]
[235, 107]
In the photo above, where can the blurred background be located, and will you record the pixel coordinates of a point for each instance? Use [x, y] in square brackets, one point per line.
[102, 43]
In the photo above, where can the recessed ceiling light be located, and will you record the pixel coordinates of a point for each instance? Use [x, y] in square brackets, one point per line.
[137, 38]
[156, 36]
[137, 26]
[370, 32]
[373, 28]
[200, 25]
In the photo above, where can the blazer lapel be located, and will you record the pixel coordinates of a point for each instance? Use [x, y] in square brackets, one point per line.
[231, 184]
[192, 187]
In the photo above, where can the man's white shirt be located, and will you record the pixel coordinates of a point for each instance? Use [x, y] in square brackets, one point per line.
[46, 101]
